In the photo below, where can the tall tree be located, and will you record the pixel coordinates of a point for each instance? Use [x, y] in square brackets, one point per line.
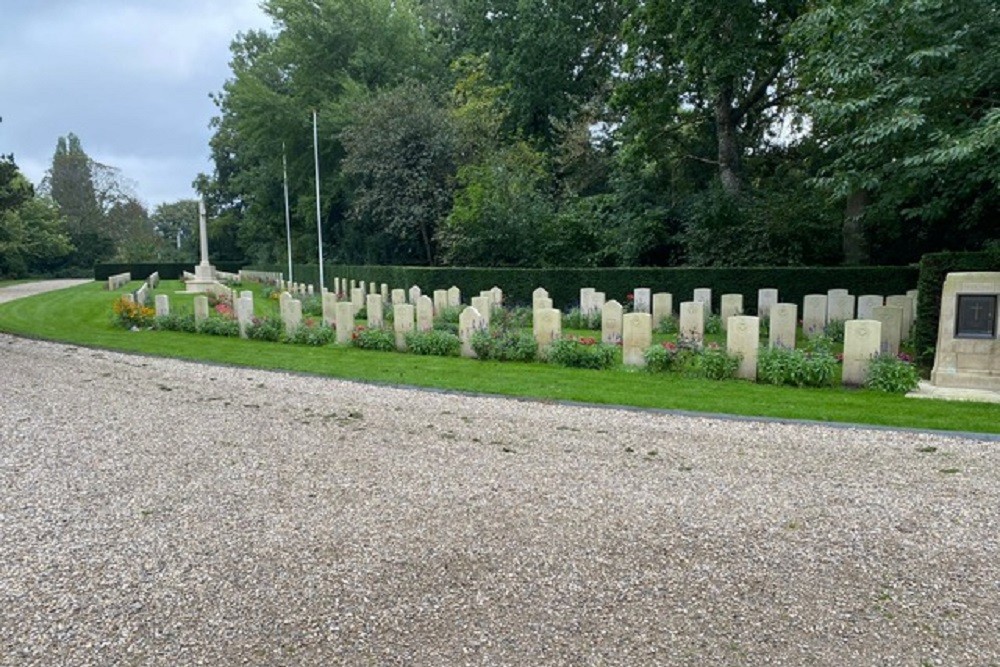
[175, 223]
[33, 236]
[904, 96]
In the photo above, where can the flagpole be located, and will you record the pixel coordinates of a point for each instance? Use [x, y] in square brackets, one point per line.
[319, 226]
[288, 217]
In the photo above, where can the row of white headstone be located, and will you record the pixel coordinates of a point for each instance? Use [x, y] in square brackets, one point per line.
[118, 281]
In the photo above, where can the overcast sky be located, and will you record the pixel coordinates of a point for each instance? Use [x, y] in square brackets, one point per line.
[130, 78]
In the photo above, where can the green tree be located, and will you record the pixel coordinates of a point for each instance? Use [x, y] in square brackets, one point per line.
[176, 224]
[33, 236]
[904, 97]
[400, 157]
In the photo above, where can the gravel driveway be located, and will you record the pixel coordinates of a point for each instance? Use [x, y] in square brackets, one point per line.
[158, 512]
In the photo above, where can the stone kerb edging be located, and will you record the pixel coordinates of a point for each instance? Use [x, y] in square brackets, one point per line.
[119, 280]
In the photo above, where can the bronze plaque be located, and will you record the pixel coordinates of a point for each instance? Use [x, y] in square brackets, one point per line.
[977, 316]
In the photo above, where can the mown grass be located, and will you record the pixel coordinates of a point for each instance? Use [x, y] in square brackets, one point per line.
[82, 315]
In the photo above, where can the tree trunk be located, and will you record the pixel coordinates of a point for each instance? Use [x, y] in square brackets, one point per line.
[853, 237]
[730, 164]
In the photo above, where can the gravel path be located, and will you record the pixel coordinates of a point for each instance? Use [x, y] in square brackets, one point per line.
[158, 512]
[22, 290]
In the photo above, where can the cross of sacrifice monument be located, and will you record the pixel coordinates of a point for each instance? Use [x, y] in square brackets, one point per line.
[205, 278]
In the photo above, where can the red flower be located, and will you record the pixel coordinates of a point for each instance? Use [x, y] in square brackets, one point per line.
[630, 297]
[670, 346]
[587, 341]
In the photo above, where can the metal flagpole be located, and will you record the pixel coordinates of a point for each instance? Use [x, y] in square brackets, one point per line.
[288, 217]
[319, 226]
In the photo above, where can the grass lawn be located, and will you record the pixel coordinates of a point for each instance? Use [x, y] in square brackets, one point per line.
[82, 315]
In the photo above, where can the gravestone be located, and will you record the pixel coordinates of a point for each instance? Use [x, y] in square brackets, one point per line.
[862, 339]
[283, 300]
[414, 294]
[891, 319]
[536, 299]
[329, 309]
[729, 306]
[425, 313]
[703, 295]
[611, 322]
[440, 301]
[782, 325]
[398, 297]
[372, 289]
[839, 307]
[484, 306]
[310, 290]
[836, 292]
[637, 336]
[130, 298]
[373, 309]
[294, 320]
[692, 321]
[641, 298]
[357, 299]
[766, 298]
[497, 296]
[906, 303]
[813, 314]
[470, 320]
[547, 327]
[913, 294]
[663, 307]
[344, 316]
[586, 300]
[402, 323]
[454, 297]
[162, 305]
[244, 312]
[865, 304]
[336, 285]
[597, 303]
[743, 339]
[200, 309]
[384, 292]
[968, 343]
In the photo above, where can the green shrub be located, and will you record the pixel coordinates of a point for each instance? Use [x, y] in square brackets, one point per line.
[892, 374]
[374, 339]
[312, 305]
[449, 315]
[310, 333]
[577, 319]
[834, 330]
[266, 328]
[714, 363]
[780, 366]
[668, 325]
[433, 342]
[175, 322]
[219, 326]
[504, 345]
[581, 353]
[713, 324]
[128, 314]
[670, 356]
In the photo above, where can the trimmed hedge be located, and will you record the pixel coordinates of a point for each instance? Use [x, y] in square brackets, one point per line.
[168, 270]
[564, 284]
[934, 268]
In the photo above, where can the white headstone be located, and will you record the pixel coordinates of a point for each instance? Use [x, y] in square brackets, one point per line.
[597, 303]
[692, 320]
[454, 297]
[440, 300]
[906, 303]
[536, 299]
[547, 326]
[663, 307]
[865, 304]
[373, 309]
[611, 322]
[913, 294]
[345, 320]
[586, 300]
[357, 299]
[244, 312]
[470, 320]
[836, 292]
[782, 325]
[862, 339]
[891, 319]
[294, 320]
[402, 322]
[813, 314]
[839, 307]
[384, 292]
[729, 306]
[414, 294]
[398, 296]
[162, 305]
[330, 309]
[484, 306]
[766, 298]
[497, 296]
[200, 309]
[743, 339]
[425, 313]
[637, 336]
[641, 300]
[703, 295]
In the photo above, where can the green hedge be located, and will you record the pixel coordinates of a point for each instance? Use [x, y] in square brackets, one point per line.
[564, 285]
[168, 270]
[934, 268]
